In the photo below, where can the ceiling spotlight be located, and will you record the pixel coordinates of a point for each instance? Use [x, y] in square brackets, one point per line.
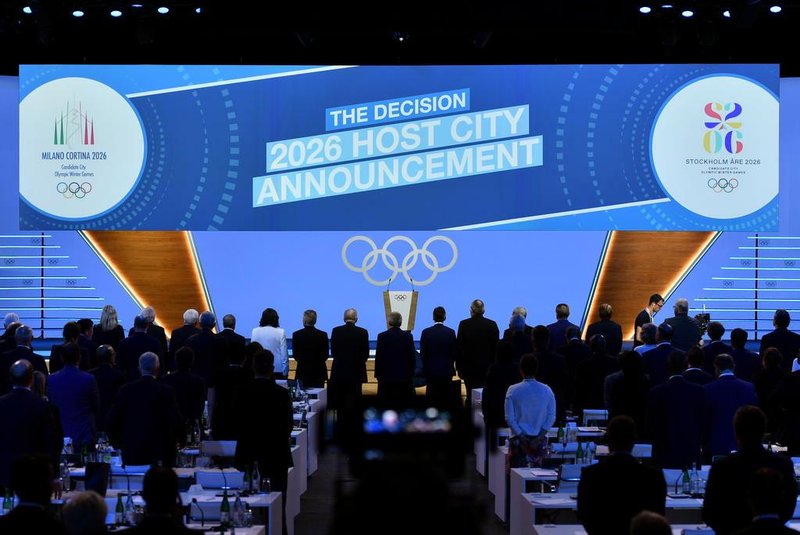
[666, 6]
[163, 10]
[400, 37]
[136, 6]
[27, 10]
[726, 14]
[198, 10]
[115, 13]
[688, 13]
[775, 9]
[78, 13]
[645, 9]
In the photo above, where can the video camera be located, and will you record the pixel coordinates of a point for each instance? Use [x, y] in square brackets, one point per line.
[703, 319]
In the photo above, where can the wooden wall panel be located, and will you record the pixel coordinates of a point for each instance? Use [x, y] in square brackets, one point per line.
[158, 268]
[639, 264]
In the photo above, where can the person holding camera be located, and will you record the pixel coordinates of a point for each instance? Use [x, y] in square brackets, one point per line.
[686, 331]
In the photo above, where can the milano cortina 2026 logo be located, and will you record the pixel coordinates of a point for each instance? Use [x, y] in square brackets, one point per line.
[724, 134]
[81, 148]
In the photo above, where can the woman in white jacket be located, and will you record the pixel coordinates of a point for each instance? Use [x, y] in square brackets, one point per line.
[270, 335]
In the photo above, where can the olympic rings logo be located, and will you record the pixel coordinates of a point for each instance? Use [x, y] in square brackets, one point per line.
[391, 262]
[73, 189]
[723, 184]
[400, 297]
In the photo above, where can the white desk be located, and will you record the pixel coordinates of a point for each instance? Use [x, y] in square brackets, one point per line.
[320, 394]
[497, 479]
[519, 479]
[210, 503]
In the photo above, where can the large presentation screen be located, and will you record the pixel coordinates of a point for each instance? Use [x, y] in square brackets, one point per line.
[557, 147]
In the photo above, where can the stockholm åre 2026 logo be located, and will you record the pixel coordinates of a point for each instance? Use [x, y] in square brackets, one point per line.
[79, 127]
[724, 133]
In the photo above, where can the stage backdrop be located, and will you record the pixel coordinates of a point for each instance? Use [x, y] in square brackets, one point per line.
[566, 147]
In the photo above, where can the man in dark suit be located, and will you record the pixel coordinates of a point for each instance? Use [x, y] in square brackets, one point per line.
[179, 336]
[765, 495]
[267, 442]
[695, 373]
[71, 334]
[134, 346]
[675, 417]
[109, 380]
[747, 363]
[395, 358]
[591, 374]
[612, 492]
[75, 393]
[724, 396]
[350, 351]
[32, 482]
[725, 507]
[229, 380]
[26, 421]
[209, 351]
[558, 329]
[85, 343]
[437, 348]
[611, 330]
[155, 330]
[163, 512]
[786, 341]
[144, 421]
[716, 347]
[655, 360]
[190, 389]
[23, 335]
[574, 353]
[7, 338]
[552, 369]
[477, 338]
[685, 330]
[526, 329]
[310, 351]
[234, 342]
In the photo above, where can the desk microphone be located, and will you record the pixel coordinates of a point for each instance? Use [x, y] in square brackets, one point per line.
[202, 514]
[224, 479]
[680, 476]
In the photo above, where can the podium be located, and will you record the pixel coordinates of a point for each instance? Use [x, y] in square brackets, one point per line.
[403, 302]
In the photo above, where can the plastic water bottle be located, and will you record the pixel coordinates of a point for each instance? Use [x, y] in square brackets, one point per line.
[579, 455]
[238, 512]
[686, 482]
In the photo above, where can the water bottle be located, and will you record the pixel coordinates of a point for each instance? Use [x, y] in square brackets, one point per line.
[225, 510]
[130, 510]
[686, 482]
[204, 421]
[579, 456]
[562, 437]
[238, 512]
[590, 449]
[7, 503]
[256, 481]
[63, 470]
[119, 512]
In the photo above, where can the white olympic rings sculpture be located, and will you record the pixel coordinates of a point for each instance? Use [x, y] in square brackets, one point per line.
[391, 262]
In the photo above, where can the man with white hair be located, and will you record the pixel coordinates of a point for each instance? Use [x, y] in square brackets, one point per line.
[153, 329]
[685, 329]
[527, 329]
[179, 336]
[7, 338]
[144, 421]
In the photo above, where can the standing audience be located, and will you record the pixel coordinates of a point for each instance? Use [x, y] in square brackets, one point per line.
[273, 338]
[477, 337]
[310, 351]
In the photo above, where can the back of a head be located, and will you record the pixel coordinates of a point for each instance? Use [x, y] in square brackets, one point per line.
[695, 357]
[23, 335]
[148, 313]
[528, 365]
[597, 343]
[148, 363]
[648, 334]
[439, 314]
[517, 323]
[781, 318]
[573, 333]
[772, 358]
[749, 425]
[621, 433]
[108, 318]
[605, 311]
[738, 338]
[676, 363]
[71, 331]
[394, 319]
[724, 363]
[715, 330]
[650, 523]
[540, 336]
[522, 311]
[664, 332]
[208, 320]
[309, 318]
[681, 306]
[562, 311]
[190, 316]
[31, 478]
[228, 321]
[160, 490]
[39, 385]
[630, 362]
[263, 363]
[10, 318]
[85, 514]
[269, 318]
[477, 308]
[184, 358]
[350, 315]
[140, 323]
[85, 325]
[105, 354]
[252, 348]
[71, 353]
[21, 373]
[765, 492]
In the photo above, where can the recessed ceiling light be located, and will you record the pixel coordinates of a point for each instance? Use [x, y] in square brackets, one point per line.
[115, 13]
[163, 10]
[27, 10]
[775, 9]
[726, 14]
[688, 13]
[645, 9]
[78, 13]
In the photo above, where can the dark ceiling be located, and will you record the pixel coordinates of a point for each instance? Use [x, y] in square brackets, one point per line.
[434, 32]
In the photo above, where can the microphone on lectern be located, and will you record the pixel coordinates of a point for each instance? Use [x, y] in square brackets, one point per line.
[411, 280]
[388, 283]
[202, 514]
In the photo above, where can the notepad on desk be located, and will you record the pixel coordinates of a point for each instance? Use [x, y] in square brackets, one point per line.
[589, 429]
[543, 472]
